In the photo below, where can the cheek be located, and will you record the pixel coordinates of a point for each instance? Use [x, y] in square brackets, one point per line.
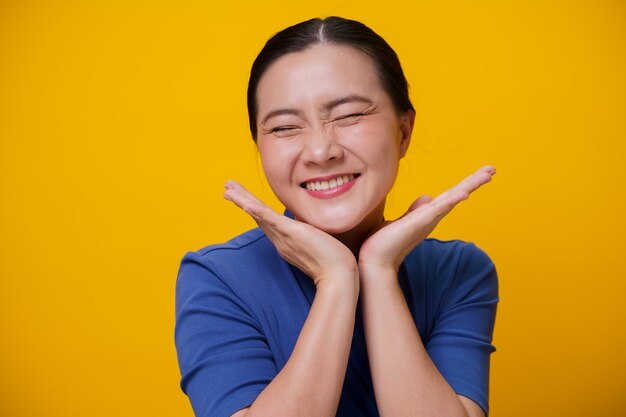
[278, 161]
[374, 143]
[378, 146]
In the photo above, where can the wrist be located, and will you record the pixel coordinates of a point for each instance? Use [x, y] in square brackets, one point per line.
[344, 281]
[371, 275]
[377, 268]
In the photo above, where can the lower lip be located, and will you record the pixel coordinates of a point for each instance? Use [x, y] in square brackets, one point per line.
[331, 192]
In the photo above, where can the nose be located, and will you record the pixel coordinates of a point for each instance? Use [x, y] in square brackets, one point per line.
[321, 147]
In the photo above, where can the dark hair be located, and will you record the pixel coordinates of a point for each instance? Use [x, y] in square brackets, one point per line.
[331, 30]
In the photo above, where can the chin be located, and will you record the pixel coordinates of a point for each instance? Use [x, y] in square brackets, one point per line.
[335, 225]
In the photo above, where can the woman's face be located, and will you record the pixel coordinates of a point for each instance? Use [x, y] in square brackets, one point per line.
[329, 137]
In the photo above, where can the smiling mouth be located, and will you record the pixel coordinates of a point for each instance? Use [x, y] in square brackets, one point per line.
[329, 184]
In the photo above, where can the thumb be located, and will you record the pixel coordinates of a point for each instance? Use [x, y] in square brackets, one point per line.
[263, 214]
[420, 201]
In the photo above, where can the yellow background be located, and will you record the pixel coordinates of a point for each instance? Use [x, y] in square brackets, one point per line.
[120, 121]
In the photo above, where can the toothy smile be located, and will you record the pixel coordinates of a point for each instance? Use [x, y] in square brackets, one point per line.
[328, 183]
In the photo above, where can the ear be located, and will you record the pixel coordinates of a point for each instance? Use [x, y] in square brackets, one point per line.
[407, 120]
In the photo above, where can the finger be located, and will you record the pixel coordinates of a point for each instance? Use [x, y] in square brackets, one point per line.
[417, 203]
[248, 202]
[240, 195]
[470, 183]
[239, 192]
[432, 211]
[244, 199]
[437, 209]
[241, 199]
[234, 185]
[420, 201]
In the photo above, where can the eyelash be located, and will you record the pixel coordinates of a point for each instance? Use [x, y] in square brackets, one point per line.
[290, 128]
[282, 129]
[350, 115]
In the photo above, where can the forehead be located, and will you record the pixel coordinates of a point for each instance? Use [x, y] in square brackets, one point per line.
[316, 75]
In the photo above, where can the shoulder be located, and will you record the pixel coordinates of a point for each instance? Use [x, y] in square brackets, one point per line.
[247, 250]
[443, 250]
[226, 264]
[447, 256]
[247, 268]
[452, 265]
[248, 243]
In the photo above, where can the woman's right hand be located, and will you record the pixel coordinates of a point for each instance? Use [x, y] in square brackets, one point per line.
[314, 252]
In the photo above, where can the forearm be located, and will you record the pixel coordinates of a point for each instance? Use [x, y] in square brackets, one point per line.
[310, 383]
[406, 381]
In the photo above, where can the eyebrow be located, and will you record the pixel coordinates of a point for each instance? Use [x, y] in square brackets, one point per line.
[347, 99]
[327, 107]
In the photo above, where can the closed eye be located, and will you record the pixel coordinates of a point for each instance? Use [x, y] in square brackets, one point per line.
[347, 120]
[285, 131]
[347, 116]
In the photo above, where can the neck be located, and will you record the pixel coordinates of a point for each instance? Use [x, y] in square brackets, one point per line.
[354, 238]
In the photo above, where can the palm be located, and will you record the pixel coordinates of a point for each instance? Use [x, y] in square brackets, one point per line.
[392, 242]
[313, 251]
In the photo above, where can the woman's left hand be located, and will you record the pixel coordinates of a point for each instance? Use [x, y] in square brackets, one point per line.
[387, 247]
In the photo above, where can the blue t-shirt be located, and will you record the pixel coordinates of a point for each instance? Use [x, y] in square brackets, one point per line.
[240, 308]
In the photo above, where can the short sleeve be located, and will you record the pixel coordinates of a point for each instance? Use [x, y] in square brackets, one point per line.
[460, 343]
[224, 359]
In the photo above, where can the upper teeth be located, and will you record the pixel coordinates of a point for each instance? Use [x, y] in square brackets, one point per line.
[326, 185]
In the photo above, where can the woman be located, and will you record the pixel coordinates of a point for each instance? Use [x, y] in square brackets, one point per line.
[329, 309]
